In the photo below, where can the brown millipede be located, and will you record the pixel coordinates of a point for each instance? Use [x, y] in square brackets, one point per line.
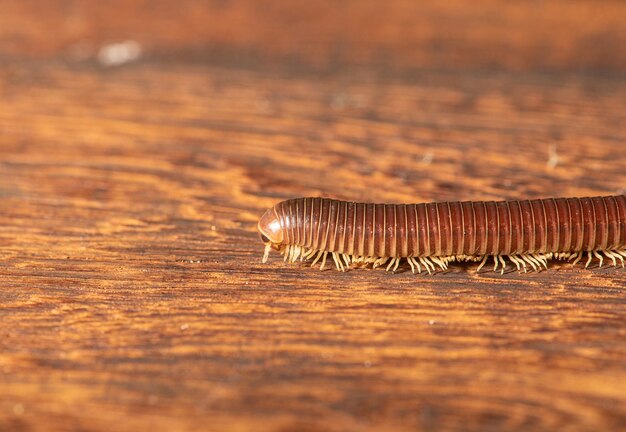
[435, 234]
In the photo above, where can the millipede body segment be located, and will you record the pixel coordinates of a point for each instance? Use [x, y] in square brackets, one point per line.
[431, 235]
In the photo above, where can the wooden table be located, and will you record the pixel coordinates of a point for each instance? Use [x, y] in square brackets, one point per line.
[141, 141]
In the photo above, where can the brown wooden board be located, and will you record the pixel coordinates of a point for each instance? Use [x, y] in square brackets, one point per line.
[132, 296]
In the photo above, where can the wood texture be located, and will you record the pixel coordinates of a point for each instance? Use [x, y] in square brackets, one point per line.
[132, 295]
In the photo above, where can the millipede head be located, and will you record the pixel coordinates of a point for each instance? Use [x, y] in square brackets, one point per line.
[271, 232]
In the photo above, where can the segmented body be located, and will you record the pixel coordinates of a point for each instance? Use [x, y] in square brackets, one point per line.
[527, 232]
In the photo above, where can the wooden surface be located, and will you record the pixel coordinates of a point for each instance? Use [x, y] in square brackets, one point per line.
[132, 296]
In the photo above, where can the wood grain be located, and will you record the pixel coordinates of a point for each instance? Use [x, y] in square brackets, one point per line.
[132, 295]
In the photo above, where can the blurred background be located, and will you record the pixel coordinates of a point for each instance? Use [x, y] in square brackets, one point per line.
[141, 140]
[394, 37]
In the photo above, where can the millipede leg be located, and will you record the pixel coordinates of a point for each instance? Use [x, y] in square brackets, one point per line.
[482, 263]
[536, 261]
[578, 256]
[266, 254]
[286, 253]
[413, 262]
[427, 264]
[495, 262]
[346, 258]
[430, 263]
[565, 255]
[615, 255]
[397, 264]
[410, 261]
[503, 264]
[317, 258]
[419, 267]
[338, 262]
[533, 262]
[608, 254]
[393, 260]
[306, 254]
[542, 258]
[523, 263]
[514, 261]
[439, 262]
[323, 260]
[377, 262]
[589, 260]
[335, 260]
[600, 257]
[530, 261]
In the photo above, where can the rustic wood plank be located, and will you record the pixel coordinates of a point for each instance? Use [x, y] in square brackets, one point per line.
[131, 289]
[131, 273]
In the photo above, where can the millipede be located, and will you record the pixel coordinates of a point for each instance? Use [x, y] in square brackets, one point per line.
[430, 236]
